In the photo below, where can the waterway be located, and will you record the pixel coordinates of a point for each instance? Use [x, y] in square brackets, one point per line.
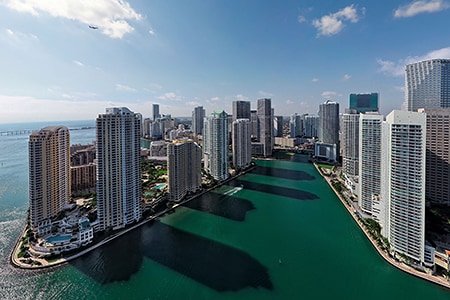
[278, 232]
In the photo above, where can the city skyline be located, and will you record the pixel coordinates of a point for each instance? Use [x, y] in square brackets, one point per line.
[208, 54]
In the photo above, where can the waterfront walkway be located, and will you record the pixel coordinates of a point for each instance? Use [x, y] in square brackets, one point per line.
[399, 265]
[17, 262]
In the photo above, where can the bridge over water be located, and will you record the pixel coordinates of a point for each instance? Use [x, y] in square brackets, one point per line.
[29, 131]
[16, 132]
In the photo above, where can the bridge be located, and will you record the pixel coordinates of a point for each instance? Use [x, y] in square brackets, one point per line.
[16, 132]
[29, 131]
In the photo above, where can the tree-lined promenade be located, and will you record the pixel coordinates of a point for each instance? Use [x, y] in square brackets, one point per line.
[371, 231]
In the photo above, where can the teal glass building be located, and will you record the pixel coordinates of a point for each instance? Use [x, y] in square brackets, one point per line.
[363, 103]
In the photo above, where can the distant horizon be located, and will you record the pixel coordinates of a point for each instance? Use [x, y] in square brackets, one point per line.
[73, 59]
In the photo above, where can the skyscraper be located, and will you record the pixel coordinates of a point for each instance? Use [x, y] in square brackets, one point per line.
[241, 143]
[311, 126]
[184, 159]
[255, 124]
[438, 155]
[405, 185]
[215, 145]
[295, 125]
[370, 149]
[49, 171]
[363, 103]
[427, 84]
[350, 146]
[155, 111]
[119, 188]
[264, 113]
[197, 120]
[358, 104]
[329, 124]
[241, 110]
[278, 126]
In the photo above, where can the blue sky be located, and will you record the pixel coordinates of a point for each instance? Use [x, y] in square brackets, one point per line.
[181, 54]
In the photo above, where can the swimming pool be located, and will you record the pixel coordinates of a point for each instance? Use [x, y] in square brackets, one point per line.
[59, 239]
[161, 186]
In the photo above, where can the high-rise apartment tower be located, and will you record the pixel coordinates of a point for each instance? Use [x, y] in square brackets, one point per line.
[119, 187]
[264, 113]
[49, 174]
[427, 84]
[184, 158]
[241, 143]
[197, 120]
[438, 155]
[215, 145]
[241, 110]
[405, 137]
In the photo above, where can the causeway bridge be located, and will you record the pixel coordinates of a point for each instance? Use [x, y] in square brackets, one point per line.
[16, 132]
[29, 131]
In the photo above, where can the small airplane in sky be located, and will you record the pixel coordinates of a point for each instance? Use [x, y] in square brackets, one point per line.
[93, 27]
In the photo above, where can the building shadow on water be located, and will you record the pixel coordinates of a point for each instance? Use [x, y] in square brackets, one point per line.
[275, 190]
[216, 265]
[282, 173]
[226, 206]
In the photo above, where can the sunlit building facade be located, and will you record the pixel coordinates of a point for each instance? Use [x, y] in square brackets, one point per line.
[215, 145]
[49, 174]
[184, 158]
[405, 137]
[119, 187]
[427, 84]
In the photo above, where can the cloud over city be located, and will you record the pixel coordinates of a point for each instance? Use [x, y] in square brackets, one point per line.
[419, 7]
[170, 96]
[111, 16]
[397, 69]
[333, 23]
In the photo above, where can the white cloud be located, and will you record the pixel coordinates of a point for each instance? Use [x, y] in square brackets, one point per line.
[214, 99]
[418, 7]
[152, 31]
[333, 23]
[18, 36]
[397, 69]
[329, 94]
[110, 16]
[400, 88]
[289, 102]
[315, 80]
[346, 77]
[241, 97]
[124, 88]
[170, 96]
[265, 94]
[193, 103]
[78, 63]
[301, 19]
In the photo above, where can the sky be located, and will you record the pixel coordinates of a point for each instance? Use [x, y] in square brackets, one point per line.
[181, 54]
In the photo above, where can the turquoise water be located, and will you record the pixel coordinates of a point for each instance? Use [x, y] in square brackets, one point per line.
[59, 238]
[161, 186]
[276, 233]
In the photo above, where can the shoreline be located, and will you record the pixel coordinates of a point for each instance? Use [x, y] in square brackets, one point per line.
[15, 260]
[399, 265]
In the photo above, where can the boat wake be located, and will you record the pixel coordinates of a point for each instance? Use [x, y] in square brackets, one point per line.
[233, 191]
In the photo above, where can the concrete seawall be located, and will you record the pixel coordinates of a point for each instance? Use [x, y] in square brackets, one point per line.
[15, 260]
[401, 266]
